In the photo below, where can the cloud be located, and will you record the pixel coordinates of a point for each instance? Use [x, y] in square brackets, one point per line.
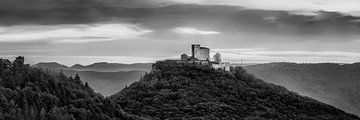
[347, 6]
[299, 56]
[79, 33]
[50, 4]
[194, 31]
[49, 12]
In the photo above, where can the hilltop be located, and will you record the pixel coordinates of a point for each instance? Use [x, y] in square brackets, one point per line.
[334, 84]
[188, 91]
[51, 66]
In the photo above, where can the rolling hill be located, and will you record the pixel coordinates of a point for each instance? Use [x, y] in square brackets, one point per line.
[334, 84]
[51, 66]
[188, 91]
[112, 67]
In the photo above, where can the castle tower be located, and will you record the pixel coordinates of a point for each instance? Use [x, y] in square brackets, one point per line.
[184, 57]
[194, 50]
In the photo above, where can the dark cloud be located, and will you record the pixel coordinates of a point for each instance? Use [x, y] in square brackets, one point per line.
[50, 4]
[13, 12]
[162, 16]
[237, 27]
[45, 4]
[47, 12]
[330, 26]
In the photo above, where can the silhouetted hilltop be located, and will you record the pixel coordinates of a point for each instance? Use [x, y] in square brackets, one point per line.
[334, 84]
[115, 67]
[187, 91]
[77, 66]
[99, 67]
[28, 93]
[51, 66]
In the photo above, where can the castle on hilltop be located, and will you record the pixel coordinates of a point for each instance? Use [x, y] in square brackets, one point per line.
[201, 55]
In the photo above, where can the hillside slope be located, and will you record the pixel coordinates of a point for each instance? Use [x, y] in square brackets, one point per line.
[184, 91]
[28, 93]
[335, 84]
[113, 67]
[107, 83]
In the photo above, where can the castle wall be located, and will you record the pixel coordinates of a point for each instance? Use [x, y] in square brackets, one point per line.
[203, 54]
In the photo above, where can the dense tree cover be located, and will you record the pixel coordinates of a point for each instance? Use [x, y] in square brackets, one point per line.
[28, 93]
[187, 91]
[336, 84]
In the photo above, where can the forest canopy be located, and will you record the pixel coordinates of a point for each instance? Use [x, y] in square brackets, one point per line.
[189, 91]
[170, 91]
[28, 93]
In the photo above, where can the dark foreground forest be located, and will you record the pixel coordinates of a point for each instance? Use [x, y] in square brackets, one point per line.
[28, 93]
[171, 91]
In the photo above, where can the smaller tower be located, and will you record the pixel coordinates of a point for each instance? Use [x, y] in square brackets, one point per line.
[217, 57]
[184, 57]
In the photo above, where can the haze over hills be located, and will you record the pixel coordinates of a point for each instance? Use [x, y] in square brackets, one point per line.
[335, 84]
[105, 78]
[107, 83]
[99, 67]
[170, 91]
[189, 91]
[113, 67]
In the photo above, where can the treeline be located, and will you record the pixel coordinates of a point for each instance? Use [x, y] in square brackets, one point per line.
[197, 92]
[28, 93]
[171, 91]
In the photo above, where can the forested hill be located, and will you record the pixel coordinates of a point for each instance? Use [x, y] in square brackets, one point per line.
[184, 91]
[28, 93]
[335, 84]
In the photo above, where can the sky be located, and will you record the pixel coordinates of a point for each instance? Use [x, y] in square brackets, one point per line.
[137, 31]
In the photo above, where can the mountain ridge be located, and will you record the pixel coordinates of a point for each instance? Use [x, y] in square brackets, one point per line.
[335, 84]
[98, 66]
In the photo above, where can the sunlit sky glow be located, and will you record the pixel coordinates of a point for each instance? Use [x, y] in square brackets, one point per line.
[133, 31]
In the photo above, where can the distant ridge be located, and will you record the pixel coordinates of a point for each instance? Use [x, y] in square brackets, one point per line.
[76, 66]
[332, 83]
[51, 65]
[100, 66]
[113, 67]
[105, 78]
